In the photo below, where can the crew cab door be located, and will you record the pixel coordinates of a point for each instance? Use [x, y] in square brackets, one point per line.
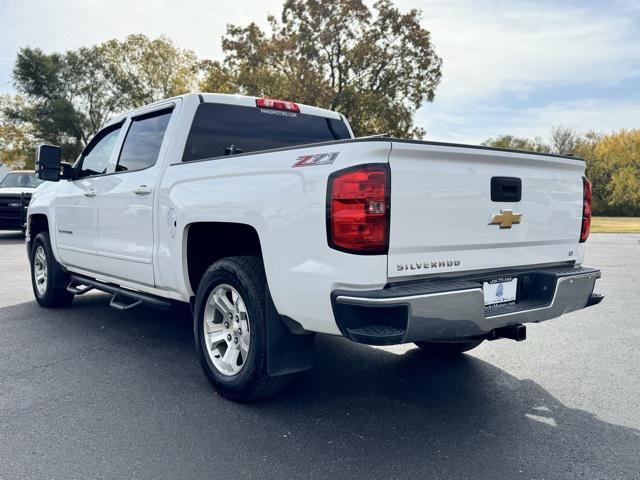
[125, 207]
[76, 213]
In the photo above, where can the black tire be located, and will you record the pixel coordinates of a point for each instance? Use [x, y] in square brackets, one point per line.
[448, 348]
[246, 275]
[54, 293]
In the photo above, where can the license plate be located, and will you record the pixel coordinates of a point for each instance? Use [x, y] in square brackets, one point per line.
[499, 291]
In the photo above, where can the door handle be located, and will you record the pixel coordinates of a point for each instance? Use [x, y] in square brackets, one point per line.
[90, 193]
[142, 190]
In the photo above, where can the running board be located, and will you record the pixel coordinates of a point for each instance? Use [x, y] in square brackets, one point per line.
[123, 299]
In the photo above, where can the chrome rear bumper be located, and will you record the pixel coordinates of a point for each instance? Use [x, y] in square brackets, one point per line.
[452, 309]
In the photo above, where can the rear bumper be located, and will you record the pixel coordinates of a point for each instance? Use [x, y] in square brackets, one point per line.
[452, 309]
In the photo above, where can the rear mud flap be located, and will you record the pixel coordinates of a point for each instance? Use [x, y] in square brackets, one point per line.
[287, 352]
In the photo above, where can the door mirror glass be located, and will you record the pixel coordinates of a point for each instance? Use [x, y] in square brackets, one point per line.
[48, 161]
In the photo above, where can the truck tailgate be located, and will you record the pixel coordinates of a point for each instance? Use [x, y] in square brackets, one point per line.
[442, 209]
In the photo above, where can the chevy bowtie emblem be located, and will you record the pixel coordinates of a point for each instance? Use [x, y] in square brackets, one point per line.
[505, 218]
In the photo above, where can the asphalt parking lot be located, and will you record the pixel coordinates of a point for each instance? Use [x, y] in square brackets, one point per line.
[89, 392]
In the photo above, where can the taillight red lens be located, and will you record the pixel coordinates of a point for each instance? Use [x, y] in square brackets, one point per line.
[358, 209]
[277, 104]
[586, 209]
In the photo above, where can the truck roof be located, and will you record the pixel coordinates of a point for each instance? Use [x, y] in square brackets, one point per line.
[229, 99]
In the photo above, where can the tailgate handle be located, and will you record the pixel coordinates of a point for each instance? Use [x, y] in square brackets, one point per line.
[506, 189]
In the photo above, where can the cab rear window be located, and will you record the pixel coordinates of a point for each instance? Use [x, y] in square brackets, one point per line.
[218, 130]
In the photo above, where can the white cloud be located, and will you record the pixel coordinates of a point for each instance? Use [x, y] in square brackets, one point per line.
[493, 46]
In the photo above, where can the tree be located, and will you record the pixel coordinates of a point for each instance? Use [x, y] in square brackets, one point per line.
[376, 66]
[563, 140]
[216, 77]
[596, 171]
[70, 96]
[618, 154]
[517, 143]
[16, 141]
[47, 106]
[146, 71]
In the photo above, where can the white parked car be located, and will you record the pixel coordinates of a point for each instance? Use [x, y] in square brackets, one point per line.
[274, 223]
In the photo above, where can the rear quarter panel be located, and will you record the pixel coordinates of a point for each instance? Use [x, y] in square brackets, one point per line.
[287, 208]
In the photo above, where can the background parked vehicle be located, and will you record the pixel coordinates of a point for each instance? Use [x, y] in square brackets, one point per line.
[16, 189]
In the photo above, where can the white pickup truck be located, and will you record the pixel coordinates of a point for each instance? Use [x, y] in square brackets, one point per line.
[274, 223]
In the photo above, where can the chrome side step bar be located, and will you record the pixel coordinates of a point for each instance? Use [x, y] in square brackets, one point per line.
[123, 299]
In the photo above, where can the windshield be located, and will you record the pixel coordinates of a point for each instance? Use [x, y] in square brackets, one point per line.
[20, 179]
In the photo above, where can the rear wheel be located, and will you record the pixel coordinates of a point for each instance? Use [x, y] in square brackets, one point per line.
[448, 348]
[230, 329]
[48, 279]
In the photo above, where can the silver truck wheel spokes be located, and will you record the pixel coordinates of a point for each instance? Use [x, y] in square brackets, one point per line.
[40, 270]
[226, 329]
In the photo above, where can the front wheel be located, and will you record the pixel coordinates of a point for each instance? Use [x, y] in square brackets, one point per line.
[230, 329]
[448, 348]
[48, 279]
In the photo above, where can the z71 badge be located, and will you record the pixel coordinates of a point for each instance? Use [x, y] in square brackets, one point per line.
[318, 159]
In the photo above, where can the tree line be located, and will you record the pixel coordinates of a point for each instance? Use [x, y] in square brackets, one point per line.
[613, 163]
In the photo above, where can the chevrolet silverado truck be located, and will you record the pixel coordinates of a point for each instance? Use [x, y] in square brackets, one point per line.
[274, 223]
[16, 189]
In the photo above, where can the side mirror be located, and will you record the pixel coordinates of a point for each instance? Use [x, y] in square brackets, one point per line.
[48, 162]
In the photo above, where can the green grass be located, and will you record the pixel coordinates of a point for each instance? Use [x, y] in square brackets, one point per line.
[615, 225]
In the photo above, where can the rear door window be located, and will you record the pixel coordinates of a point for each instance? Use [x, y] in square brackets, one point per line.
[143, 141]
[218, 130]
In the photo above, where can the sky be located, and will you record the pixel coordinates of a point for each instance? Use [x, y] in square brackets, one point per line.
[509, 67]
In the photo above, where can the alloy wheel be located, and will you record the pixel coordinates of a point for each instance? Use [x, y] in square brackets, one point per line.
[226, 330]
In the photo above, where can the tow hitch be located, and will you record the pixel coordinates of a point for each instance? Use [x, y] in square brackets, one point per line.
[514, 332]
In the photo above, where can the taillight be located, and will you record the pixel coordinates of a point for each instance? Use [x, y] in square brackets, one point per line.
[277, 104]
[586, 209]
[358, 209]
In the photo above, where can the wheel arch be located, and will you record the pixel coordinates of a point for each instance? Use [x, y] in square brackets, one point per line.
[37, 223]
[207, 242]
